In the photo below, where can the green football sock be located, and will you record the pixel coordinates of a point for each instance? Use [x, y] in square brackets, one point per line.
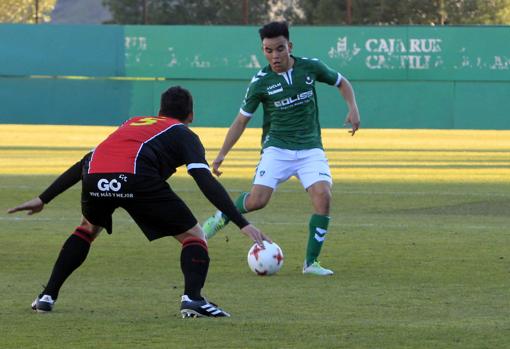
[318, 227]
[239, 204]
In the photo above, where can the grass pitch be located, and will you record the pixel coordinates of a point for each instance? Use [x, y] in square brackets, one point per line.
[419, 244]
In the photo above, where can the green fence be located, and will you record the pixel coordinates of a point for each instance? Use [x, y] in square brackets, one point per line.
[405, 77]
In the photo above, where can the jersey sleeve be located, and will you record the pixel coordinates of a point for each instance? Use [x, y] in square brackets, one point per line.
[251, 100]
[218, 196]
[65, 181]
[327, 75]
[191, 150]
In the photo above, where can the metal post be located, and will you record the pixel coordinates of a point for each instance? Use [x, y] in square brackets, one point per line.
[36, 17]
[349, 12]
[245, 12]
[442, 12]
[144, 11]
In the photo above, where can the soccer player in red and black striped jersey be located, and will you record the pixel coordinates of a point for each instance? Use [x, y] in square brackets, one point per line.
[129, 169]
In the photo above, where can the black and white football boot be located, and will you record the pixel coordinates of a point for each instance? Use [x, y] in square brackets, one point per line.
[202, 308]
[43, 303]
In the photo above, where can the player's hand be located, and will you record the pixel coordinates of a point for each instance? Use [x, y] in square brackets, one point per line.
[255, 234]
[216, 165]
[32, 206]
[353, 120]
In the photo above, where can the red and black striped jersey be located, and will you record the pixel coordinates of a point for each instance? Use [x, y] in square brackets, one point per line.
[148, 146]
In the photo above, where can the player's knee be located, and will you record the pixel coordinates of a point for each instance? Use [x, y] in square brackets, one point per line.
[85, 233]
[195, 232]
[90, 230]
[322, 200]
[325, 196]
[193, 240]
[255, 202]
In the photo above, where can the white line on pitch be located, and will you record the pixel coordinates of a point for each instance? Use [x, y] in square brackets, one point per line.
[361, 225]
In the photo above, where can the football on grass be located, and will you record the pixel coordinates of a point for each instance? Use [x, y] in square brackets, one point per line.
[265, 261]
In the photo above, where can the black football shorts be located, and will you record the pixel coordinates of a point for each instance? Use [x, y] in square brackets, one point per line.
[150, 201]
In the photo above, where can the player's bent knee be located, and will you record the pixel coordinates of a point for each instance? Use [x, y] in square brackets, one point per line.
[256, 202]
[320, 193]
[325, 196]
[258, 198]
[321, 200]
[256, 205]
[86, 234]
[194, 241]
[92, 230]
[196, 232]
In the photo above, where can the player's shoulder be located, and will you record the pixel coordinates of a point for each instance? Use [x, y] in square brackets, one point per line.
[260, 76]
[182, 134]
[184, 130]
[311, 62]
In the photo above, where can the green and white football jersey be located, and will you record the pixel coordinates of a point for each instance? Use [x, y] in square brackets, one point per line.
[291, 113]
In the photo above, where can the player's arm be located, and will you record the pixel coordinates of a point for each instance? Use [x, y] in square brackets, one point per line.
[347, 93]
[218, 196]
[327, 75]
[234, 133]
[193, 155]
[248, 107]
[66, 180]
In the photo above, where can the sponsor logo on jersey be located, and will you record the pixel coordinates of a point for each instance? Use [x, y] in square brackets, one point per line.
[324, 174]
[309, 80]
[105, 185]
[273, 89]
[111, 188]
[304, 96]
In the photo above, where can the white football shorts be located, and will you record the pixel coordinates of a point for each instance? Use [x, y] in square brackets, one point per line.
[278, 165]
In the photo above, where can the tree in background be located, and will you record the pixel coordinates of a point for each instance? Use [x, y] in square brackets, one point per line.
[389, 12]
[24, 11]
[256, 12]
[478, 11]
[188, 11]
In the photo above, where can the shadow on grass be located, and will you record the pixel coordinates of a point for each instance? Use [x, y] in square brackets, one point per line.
[493, 208]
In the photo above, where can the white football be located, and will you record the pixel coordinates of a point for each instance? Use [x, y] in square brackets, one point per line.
[265, 261]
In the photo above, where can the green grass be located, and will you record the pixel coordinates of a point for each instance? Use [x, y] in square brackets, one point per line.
[417, 266]
[421, 256]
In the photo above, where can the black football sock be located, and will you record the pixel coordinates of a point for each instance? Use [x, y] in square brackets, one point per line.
[194, 266]
[73, 253]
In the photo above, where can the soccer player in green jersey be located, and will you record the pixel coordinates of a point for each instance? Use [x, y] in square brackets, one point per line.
[291, 137]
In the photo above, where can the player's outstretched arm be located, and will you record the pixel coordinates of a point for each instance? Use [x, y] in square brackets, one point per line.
[218, 196]
[32, 206]
[234, 133]
[353, 117]
[66, 180]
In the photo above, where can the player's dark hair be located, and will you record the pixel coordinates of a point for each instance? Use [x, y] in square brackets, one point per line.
[274, 29]
[176, 102]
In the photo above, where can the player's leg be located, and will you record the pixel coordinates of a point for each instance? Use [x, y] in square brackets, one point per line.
[194, 266]
[315, 176]
[320, 194]
[161, 213]
[194, 261]
[71, 256]
[271, 170]
[257, 198]
[77, 246]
